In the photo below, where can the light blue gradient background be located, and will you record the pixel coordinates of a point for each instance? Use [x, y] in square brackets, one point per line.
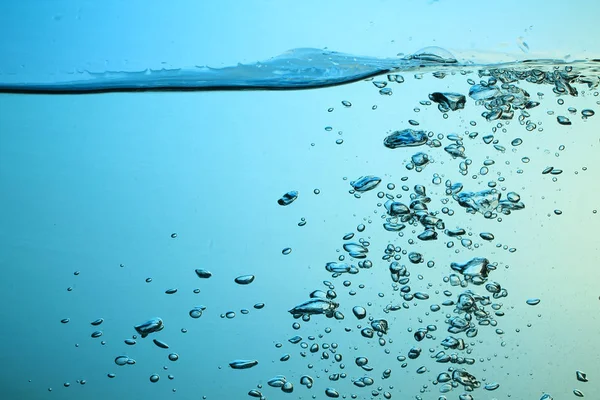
[41, 37]
[88, 183]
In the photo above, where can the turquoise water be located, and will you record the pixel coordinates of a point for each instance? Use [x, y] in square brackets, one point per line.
[415, 226]
[295, 69]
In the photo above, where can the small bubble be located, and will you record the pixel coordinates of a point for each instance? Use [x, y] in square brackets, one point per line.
[244, 279]
[173, 235]
[547, 170]
[581, 376]
[286, 251]
[121, 360]
[516, 142]
[587, 113]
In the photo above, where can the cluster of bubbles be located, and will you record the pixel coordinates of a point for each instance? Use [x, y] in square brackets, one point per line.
[471, 301]
[503, 100]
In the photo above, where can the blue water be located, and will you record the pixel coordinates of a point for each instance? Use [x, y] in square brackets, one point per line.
[231, 236]
[295, 69]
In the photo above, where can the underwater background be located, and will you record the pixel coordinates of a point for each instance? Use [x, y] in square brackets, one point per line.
[417, 223]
